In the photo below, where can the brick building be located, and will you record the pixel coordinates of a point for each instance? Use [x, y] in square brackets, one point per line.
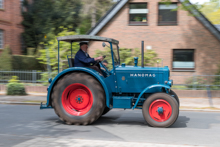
[187, 44]
[10, 25]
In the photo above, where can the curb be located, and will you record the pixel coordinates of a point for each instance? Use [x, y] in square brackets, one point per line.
[19, 103]
[200, 110]
[35, 103]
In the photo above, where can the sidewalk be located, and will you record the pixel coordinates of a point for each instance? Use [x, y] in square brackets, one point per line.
[201, 104]
[91, 143]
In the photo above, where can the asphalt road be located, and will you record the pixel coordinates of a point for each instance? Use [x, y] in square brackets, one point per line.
[22, 123]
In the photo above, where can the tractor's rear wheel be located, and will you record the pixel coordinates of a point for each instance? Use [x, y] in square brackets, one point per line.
[78, 98]
[160, 110]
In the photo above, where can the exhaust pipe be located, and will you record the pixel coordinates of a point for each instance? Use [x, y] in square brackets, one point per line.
[142, 54]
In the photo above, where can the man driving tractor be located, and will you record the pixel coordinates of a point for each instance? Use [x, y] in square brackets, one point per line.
[82, 58]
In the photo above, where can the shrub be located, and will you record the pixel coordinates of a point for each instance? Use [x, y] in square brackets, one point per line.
[15, 88]
[18, 62]
[24, 62]
[127, 56]
[196, 82]
[217, 78]
[45, 76]
[6, 59]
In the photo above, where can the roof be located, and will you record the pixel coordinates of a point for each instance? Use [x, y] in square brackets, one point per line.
[107, 17]
[116, 8]
[77, 38]
[218, 27]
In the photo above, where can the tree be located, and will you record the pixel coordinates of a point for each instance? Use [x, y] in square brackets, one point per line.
[43, 16]
[52, 47]
[212, 11]
[92, 12]
[127, 56]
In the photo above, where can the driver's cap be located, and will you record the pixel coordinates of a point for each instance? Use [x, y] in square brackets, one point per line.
[84, 42]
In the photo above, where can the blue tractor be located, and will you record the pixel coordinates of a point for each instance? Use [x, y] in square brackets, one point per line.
[81, 95]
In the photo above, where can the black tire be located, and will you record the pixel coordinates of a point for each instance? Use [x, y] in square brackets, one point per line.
[173, 94]
[106, 110]
[160, 97]
[97, 92]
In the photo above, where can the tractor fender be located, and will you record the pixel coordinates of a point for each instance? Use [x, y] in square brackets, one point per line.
[148, 88]
[87, 70]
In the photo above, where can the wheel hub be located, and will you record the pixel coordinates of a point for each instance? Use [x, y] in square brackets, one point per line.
[77, 99]
[160, 110]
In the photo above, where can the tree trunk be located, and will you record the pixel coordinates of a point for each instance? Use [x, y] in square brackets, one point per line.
[93, 16]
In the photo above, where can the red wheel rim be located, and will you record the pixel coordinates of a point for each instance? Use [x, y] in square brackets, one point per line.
[77, 99]
[159, 106]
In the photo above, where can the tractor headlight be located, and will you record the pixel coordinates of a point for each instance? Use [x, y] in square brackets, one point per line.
[170, 83]
[49, 80]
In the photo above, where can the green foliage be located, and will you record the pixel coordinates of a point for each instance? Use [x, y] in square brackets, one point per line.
[217, 78]
[6, 59]
[107, 53]
[92, 11]
[195, 82]
[15, 88]
[45, 76]
[18, 62]
[23, 62]
[85, 24]
[43, 16]
[52, 48]
[186, 5]
[127, 56]
[212, 11]
[14, 79]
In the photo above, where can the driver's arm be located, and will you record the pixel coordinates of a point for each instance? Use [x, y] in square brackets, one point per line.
[99, 58]
[83, 58]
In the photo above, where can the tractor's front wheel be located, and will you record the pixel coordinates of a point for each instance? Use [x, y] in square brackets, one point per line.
[160, 110]
[173, 94]
[78, 98]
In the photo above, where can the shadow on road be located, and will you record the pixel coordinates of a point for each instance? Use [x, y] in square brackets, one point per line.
[181, 122]
[125, 119]
[107, 120]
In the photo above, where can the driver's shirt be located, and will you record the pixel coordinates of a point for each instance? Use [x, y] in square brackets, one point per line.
[82, 59]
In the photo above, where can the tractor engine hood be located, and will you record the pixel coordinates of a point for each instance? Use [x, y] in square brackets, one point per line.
[135, 79]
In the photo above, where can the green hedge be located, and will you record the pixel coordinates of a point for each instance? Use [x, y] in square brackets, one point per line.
[24, 62]
[6, 59]
[15, 88]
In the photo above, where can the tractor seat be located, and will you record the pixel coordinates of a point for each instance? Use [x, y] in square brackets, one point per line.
[71, 62]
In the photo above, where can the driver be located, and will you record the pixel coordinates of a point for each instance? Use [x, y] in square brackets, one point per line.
[82, 58]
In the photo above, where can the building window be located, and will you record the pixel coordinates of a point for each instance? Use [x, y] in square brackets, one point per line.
[1, 4]
[1, 39]
[21, 2]
[183, 59]
[138, 14]
[166, 15]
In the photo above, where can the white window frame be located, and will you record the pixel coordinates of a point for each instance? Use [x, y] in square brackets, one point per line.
[183, 65]
[1, 4]
[167, 7]
[138, 11]
[1, 39]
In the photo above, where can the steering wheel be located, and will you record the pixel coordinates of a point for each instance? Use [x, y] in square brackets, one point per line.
[99, 61]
